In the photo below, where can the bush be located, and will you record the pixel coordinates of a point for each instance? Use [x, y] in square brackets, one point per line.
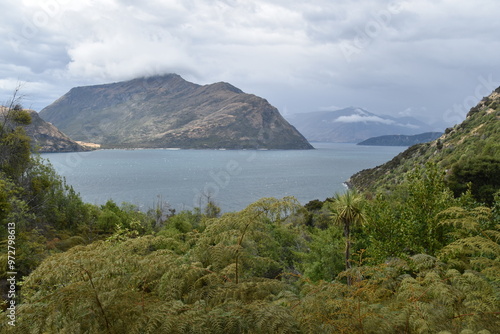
[482, 173]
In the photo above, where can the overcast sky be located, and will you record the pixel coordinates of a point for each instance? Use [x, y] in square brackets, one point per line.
[431, 59]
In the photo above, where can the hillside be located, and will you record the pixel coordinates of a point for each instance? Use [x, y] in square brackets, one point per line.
[469, 152]
[168, 111]
[352, 125]
[47, 138]
[401, 140]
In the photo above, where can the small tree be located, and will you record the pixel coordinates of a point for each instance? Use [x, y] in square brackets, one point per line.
[212, 210]
[348, 210]
[15, 147]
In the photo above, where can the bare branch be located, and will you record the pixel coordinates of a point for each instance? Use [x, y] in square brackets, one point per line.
[17, 97]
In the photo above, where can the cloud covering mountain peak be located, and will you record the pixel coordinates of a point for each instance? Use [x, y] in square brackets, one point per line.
[353, 125]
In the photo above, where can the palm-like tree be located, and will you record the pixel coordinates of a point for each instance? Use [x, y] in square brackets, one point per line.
[347, 211]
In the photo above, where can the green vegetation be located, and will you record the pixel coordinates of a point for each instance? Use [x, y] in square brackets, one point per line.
[419, 256]
[49, 216]
[348, 211]
[469, 152]
[401, 140]
[482, 173]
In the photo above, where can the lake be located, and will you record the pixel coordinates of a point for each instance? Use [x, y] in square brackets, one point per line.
[231, 178]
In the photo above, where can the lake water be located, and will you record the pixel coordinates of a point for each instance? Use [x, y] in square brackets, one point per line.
[232, 178]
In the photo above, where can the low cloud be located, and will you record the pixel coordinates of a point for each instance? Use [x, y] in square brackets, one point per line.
[363, 119]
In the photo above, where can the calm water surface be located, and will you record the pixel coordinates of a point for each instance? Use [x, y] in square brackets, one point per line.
[232, 178]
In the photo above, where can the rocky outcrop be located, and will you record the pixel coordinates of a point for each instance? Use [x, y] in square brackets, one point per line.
[47, 138]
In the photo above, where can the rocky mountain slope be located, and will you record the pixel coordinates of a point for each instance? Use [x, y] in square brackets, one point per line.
[168, 111]
[46, 137]
[401, 140]
[469, 152]
[352, 125]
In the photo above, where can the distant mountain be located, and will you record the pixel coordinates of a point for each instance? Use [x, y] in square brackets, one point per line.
[352, 125]
[168, 111]
[401, 140]
[46, 137]
[468, 152]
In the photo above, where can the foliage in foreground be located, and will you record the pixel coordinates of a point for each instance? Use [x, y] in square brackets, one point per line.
[242, 274]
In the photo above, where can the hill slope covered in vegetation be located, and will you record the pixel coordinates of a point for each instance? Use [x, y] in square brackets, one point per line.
[469, 152]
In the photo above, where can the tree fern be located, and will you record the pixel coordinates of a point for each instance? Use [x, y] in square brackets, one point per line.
[420, 296]
[248, 239]
[475, 241]
[119, 289]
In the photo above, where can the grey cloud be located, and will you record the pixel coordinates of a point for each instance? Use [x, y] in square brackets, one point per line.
[426, 56]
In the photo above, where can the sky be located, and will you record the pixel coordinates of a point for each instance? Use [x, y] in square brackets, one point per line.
[429, 59]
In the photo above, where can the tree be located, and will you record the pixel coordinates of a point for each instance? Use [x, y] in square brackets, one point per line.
[484, 175]
[348, 210]
[423, 195]
[212, 210]
[324, 256]
[384, 230]
[15, 148]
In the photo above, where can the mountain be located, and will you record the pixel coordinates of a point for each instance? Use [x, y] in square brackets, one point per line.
[46, 137]
[469, 152]
[168, 111]
[401, 140]
[352, 125]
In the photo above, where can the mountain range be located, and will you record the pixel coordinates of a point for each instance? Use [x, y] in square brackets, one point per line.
[168, 111]
[353, 125]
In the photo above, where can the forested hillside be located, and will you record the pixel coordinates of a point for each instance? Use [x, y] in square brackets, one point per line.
[419, 258]
[469, 153]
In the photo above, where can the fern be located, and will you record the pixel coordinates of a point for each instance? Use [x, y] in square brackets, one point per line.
[234, 278]
[419, 296]
[476, 241]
